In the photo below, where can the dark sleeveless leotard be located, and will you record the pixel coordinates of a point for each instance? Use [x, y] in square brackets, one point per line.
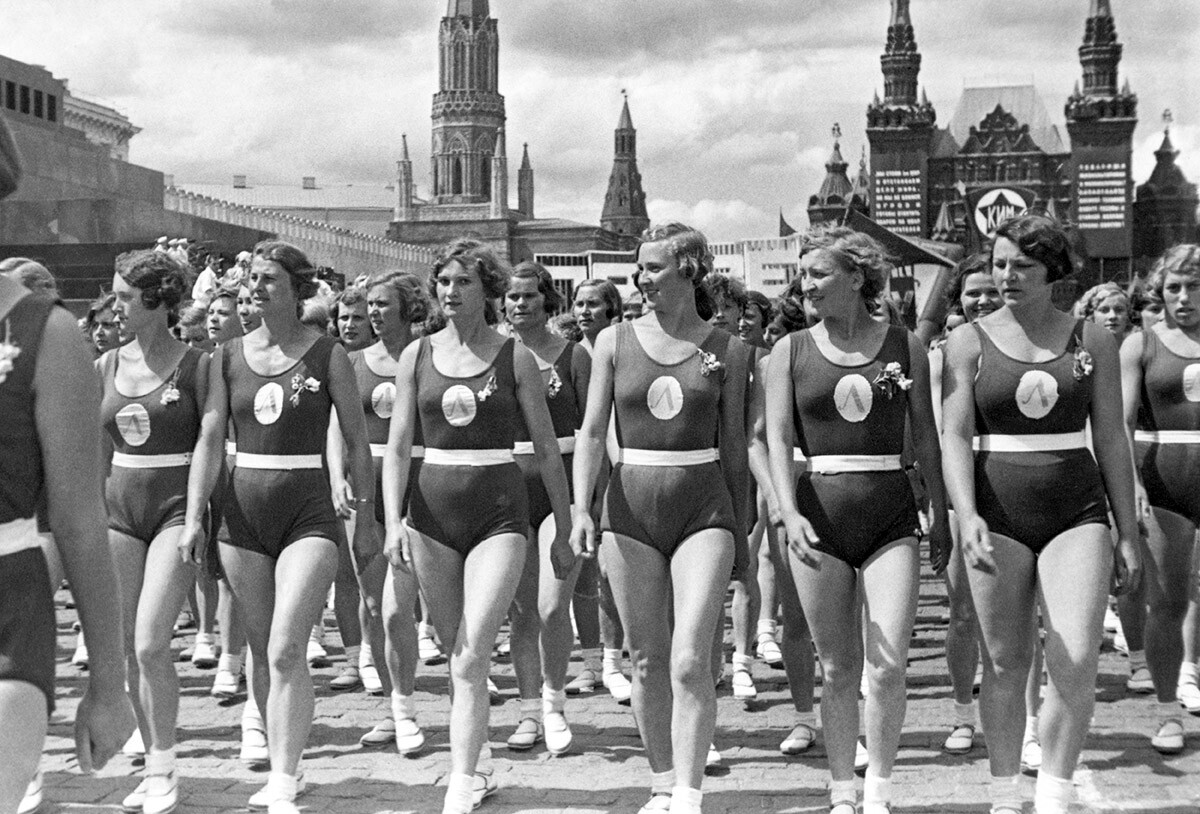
[269, 509]
[1032, 497]
[27, 626]
[142, 503]
[378, 398]
[674, 408]
[460, 506]
[1170, 401]
[562, 397]
[839, 410]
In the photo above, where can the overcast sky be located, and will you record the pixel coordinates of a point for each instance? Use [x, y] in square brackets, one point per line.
[733, 99]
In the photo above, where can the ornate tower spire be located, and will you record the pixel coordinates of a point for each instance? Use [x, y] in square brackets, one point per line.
[836, 191]
[862, 182]
[404, 183]
[499, 177]
[468, 110]
[1165, 212]
[525, 185]
[625, 202]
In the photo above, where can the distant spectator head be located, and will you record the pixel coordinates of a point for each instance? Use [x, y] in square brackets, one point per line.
[31, 274]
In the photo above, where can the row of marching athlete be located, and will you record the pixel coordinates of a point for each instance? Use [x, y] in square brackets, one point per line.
[488, 466]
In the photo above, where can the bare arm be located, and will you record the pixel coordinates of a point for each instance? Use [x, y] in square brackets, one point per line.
[758, 459]
[929, 455]
[962, 354]
[335, 457]
[734, 450]
[207, 458]
[1131, 398]
[589, 450]
[343, 389]
[397, 456]
[67, 410]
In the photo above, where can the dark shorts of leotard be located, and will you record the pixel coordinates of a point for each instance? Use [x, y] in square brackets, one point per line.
[1169, 475]
[27, 631]
[461, 506]
[414, 470]
[535, 487]
[1032, 497]
[142, 503]
[267, 510]
[856, 514]
[661, 506]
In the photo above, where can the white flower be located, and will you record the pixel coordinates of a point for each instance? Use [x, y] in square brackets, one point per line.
[709, 363]
[488, 389]
[312, 385]
[170, 395]
[299, 385]
[554, 386]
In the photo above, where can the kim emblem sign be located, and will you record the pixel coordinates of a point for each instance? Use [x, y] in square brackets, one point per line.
[991, 206]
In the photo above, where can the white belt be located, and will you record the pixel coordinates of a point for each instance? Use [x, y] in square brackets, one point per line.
[377, 451]
[669, 457]
[126, 461]
[1050, 442]
[468, 457]
[231, 447]
[248, 460]
[18, 535]
[835, 464]
[1167, 436]
[566, 446]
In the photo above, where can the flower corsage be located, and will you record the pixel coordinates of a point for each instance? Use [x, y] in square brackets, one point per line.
[170, 394]
[299, 385]
[8, 352]
[488, 389]
[709, 363]
[891, 379]
[554, 386]
[1083, 365]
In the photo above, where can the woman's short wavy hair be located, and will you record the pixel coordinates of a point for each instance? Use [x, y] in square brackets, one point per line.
[31, 274]
[158, 276]
[728, 288]
[410, 293]
[854, 252]
[474, 255]
[689, 248]
[300, 271]
[761, 302]
[608, 293]
[1042, 239]
[978, 263]
[552, 301]
[1085, 306]
[789, 309]
[1182, 259]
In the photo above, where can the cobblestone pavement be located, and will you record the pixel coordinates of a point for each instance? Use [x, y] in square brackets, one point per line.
[607, 771]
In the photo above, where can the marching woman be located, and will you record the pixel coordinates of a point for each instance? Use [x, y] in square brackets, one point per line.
[154, 392]
[842, 391]
[601, 635]
[1160, 377]
[395, 302]
[1019, 386]
[674, 505]
[468, 387]
[541, 616]
[277, 384]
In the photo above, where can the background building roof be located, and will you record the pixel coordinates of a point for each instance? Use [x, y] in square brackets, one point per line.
[296, 196]
[1022, 101]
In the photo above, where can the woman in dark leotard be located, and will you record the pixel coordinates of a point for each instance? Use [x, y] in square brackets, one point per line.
[154, 391]
[541, 618]
[673, 522]
[278, 384]
[466, 535]
[843, 392]
[1160, 377]
[1020, 386]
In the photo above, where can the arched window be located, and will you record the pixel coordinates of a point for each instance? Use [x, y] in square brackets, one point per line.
[456, 175]
[485, 174]
[437, 189]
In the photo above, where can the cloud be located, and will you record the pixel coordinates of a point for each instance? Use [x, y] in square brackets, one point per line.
[719, 220]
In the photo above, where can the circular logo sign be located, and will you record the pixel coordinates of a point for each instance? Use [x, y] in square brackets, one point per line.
[1191, 382]
[133, 422]
[664, 398]
[458, 405]
[996, 206]
[383, 398]
[268, 403]
[1037, 393]
[853, 398]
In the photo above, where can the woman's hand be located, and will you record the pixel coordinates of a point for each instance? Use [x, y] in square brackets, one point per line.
[563, 553]
[940, 544]
[976, 542]
[343, 499]
[192, 543]
[1127, 566]
[583, 534]
[366, 542]
[801, 537]
[397, 548]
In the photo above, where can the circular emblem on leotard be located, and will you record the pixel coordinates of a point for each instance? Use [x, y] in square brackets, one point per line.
[133, 422]
[1191, 382]
[383, 397]
[853, 397]
[664, 398]
[1037, 393]
[268, 403]
[458, 405]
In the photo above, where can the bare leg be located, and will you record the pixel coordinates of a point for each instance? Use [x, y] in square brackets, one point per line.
[1166, 577]
[129, 559]
[23, 711]
[962, 644]
[797, 644]
[346, 599]
[523, 633]
[554, 610]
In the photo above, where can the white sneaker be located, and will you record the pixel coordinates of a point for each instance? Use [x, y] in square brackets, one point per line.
[485, 786]
[1031, 756]
[585, 682]
[713, 758]
[619, 687]
[204, 653]
[317, 657]
[370, 679]
[743, 685]
[134, 800]
[161, 794]
[768, 650]
[558, 733]
[1188, 694]
[428, 650]
[226, 684]
[410, 740]
[1139, 681]
[658, 802]
[267, 796]
[33, 799]
[254, 744]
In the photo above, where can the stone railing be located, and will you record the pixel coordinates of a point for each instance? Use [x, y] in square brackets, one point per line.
[344, 250]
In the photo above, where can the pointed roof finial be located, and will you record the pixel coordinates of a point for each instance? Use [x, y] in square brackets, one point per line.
[474, 9]
[1100, 8]
[1125, 90]
[837, 131]
[404, 147]
[626, 122]
[525, 165]
[900, 15]
[1168, 119]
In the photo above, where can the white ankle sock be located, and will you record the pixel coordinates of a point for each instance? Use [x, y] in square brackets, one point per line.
[1052, 795]
[531, 707]
[662, 782]
[592, 659]
[742, 662]
[1006, 792]
[876, 790]
[353, 655]
[1188, 672]
[1031, 727]
[613, 661]
[686, 800]
[283, 785]
[964, 714]
[365, 657]
[767, 626]
[403, 708]
[160, 761]
[459, 794]
[1137, 660]
[842, 791]
[553, 700]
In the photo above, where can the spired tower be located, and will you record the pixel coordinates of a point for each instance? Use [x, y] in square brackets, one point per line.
[1165, 212]
[625, 202]
[900, 129]
[468, 110]
[836, 193]
[1101, 121]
